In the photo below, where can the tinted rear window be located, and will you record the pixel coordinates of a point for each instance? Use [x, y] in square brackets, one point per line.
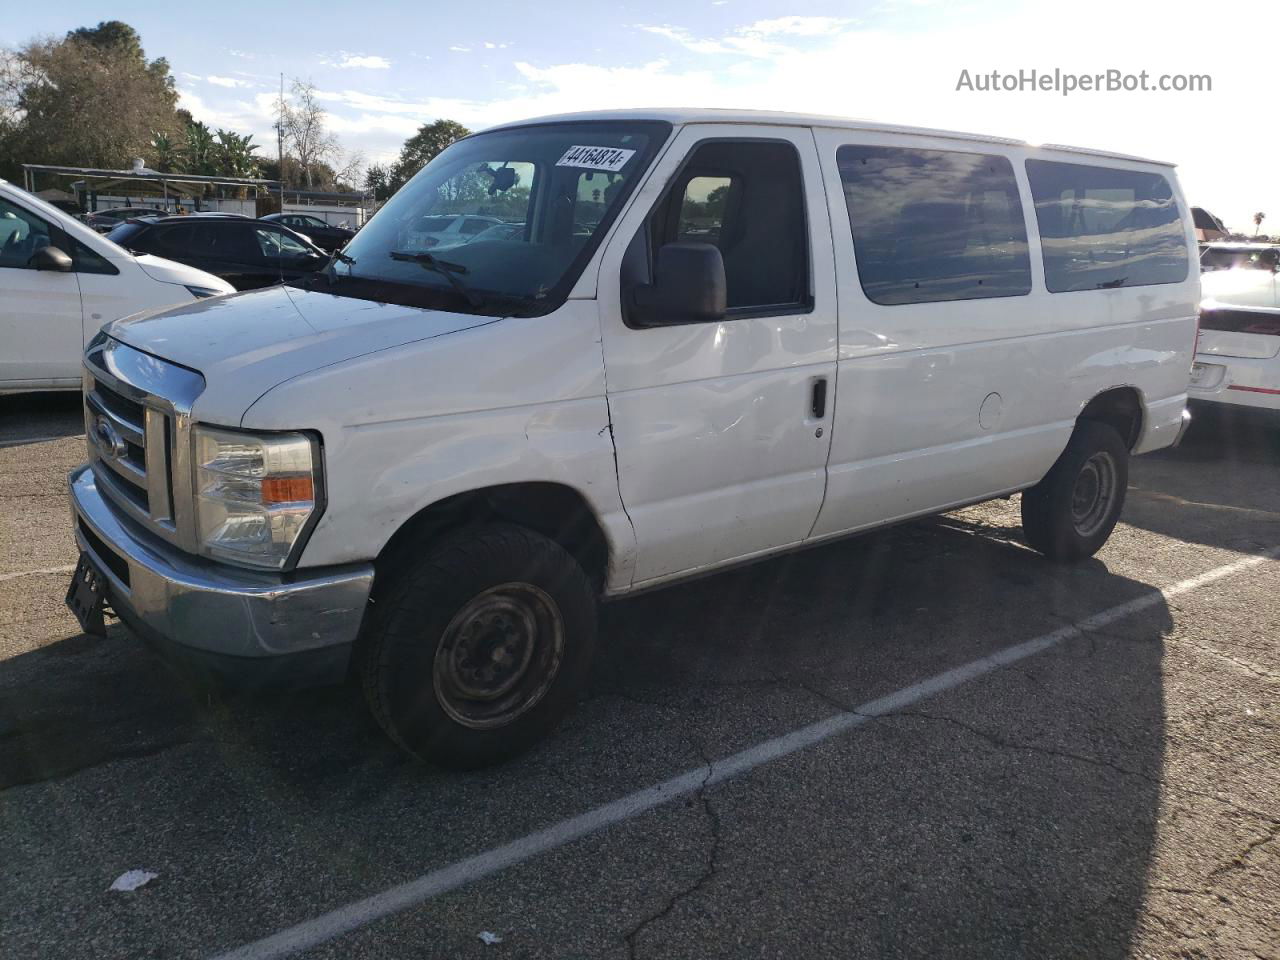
[125, 233]
[932, 225]
[1101, 227]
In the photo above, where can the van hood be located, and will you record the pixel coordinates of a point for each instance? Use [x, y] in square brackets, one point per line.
[167, 271]
[248, 343]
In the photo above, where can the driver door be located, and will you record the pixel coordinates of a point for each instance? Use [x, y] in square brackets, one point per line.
[41, 322]
[722, 429]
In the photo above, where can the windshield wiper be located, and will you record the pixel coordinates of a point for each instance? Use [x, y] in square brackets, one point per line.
[1112, 284]
[446, 269]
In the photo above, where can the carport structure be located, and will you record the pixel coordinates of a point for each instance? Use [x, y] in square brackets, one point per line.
[187, 186]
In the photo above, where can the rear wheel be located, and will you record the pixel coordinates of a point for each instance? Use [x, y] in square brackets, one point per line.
[1069, 514]
[475, 650]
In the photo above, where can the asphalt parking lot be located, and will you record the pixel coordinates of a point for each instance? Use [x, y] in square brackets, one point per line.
[1111, 790]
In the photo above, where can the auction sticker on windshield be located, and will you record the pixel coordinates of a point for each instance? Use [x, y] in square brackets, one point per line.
[611, 159]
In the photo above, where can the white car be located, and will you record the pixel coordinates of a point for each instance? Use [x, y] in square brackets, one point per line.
[445, 230]
[1238, 349]
[60, 281]
[430, 469]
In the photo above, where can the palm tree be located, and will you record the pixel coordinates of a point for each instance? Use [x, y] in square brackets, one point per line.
[236, 154]
[200, 150]
[1257, 222]
[167, 153]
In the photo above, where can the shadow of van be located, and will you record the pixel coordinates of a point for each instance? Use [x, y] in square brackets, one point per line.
[1037, 855]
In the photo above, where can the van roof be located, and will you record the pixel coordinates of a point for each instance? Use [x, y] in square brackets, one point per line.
[681, 115]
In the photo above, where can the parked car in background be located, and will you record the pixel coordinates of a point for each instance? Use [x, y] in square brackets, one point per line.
[104, 221]
[60, 282]
[246, 253]
[1237, 362]
[1208, 227]
[451, 458]
[323, 235]
[443, 230]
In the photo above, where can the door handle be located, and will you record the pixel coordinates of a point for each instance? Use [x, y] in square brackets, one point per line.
[818, 401]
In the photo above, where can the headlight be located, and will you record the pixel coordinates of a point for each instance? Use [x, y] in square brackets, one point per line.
[201, 292]
[254, 494]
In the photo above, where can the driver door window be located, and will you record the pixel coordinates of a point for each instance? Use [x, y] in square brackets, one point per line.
[21, 235]
[747, 199]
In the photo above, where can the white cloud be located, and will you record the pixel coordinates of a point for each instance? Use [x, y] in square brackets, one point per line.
[457, 49]
[755, 39]
[796, 26]
[227, 82]
[356, 61]
[495, 46]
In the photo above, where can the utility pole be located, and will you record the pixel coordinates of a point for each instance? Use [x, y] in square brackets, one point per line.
[280, 140]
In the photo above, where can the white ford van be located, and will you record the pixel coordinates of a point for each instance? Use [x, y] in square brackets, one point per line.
[719, 335]
[60, 282]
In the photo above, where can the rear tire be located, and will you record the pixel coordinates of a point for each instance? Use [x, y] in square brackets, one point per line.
[1069, 514]
[474, 651]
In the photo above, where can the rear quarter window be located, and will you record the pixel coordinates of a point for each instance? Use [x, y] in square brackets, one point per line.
[1102, 227]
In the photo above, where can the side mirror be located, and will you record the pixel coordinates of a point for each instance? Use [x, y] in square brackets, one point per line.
[50, 258]
[689, 286]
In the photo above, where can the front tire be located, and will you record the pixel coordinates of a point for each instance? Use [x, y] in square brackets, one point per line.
[1069, 514]
[476, 650]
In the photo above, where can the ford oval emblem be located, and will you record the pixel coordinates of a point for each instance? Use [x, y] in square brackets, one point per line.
[110, 443]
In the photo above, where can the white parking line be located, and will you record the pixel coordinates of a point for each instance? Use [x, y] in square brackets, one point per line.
[35, 573]
[354, 915]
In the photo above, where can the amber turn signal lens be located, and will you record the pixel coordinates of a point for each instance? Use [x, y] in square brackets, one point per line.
[287, 489]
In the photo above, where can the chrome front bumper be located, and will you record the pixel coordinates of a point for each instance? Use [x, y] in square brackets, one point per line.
[235, 623]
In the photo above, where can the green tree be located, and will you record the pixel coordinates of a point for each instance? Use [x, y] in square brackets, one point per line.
[199, 154]
[111, 35]
[89, 99]
[377, 180]
[166, 152]
[422, 147]
[235, 154]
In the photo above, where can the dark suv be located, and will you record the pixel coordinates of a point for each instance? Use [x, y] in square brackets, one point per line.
[246, 253]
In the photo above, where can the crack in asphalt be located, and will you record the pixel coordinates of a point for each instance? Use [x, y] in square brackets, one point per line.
[709, 870]
[1238, 861]
[1047, 751]
[1246, 665]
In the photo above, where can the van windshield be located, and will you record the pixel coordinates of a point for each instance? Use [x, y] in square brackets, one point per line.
[500, 223]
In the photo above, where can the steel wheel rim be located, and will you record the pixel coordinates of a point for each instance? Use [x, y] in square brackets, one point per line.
[499, 655]
[1094, 494]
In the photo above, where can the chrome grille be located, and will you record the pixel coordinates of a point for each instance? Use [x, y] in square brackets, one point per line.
[117, 428]
[137, 409]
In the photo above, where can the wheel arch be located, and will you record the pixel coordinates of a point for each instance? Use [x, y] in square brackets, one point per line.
[555, 510]
[1121, 408]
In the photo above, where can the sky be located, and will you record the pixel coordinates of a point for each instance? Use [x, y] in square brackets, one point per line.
[383, 67]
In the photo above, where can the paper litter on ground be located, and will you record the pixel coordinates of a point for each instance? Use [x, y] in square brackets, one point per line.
[132, 880]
